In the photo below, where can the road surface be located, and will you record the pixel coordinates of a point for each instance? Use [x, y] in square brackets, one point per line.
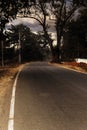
[50, 98]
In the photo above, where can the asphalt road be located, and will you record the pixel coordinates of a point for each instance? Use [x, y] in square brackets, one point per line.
[50, 98]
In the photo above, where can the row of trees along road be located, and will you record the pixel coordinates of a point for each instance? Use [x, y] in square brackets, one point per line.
[59, 11]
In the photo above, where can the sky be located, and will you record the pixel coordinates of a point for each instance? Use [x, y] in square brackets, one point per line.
[33, 25]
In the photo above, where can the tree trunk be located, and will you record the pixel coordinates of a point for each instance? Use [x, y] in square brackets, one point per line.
[57, 50]
[2, 53]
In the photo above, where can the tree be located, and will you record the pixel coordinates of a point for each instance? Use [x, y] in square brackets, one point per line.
[29, 8]
[31, 44]
[8, 11]
[75, 38]
[62, 12]
[40, 12]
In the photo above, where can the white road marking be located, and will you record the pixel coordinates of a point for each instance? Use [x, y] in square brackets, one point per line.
[12, 104]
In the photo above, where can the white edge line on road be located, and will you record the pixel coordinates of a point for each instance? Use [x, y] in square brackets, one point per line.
[12, 104]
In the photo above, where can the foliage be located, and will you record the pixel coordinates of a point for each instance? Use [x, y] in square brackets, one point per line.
[64, 12]
[75, 39]
[31, 44]
[40, 12]
[9, 10]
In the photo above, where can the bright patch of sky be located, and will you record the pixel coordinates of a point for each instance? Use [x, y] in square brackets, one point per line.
[33, 25]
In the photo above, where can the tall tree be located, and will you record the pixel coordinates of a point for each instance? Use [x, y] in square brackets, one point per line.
[31, 44]
[40, 12]
[8, 11]
[76, 36]
[10, 8]
[63, 11]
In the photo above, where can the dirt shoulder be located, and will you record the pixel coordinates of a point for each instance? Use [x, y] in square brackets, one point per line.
[7, 75]
[80, 67]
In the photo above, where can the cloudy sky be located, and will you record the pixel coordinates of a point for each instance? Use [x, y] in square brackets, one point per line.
[33, 25]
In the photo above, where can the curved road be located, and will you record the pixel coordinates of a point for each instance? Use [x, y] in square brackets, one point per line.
[50, 98]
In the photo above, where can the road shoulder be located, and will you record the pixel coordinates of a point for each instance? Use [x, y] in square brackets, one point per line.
[7, 76]
[71, 67]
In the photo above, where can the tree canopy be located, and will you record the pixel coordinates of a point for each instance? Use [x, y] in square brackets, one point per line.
[32, 45]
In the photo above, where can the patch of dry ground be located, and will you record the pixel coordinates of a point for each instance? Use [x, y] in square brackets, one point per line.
[7, 75]
[81, 67]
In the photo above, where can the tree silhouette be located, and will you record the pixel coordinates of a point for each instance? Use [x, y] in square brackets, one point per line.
[32, 45]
